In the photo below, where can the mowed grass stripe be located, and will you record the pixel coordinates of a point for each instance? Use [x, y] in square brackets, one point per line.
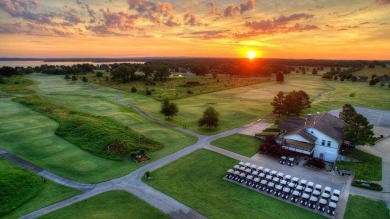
[197, 181]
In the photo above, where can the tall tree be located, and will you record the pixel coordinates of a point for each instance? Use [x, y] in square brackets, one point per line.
[169, 109]
[277, 103]
[162, 73]
[84, 79]
[359, 131]
[314, 71]
[123, 73]
[200, 69]
[74, 78]
[347, 113]
[295, 102]
[279, 77]
[147, 70]
[209, 119]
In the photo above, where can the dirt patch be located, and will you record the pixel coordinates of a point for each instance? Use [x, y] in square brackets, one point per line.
[256, 127]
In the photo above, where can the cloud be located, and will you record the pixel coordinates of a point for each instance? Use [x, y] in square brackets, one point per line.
[191, 20]
[154, 12]
[22, 9]
[214, 9]
[382, 2]
[277, 25]
[207, 35]
[232, 10]
[172, 22]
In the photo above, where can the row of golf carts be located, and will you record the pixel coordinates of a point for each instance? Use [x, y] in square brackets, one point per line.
[284, 186]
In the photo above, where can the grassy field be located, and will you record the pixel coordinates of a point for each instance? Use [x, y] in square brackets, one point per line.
[98, 135]
[240, 144]
[196, 180]
[17, 85]
[361, 208]
[30, 135]
[369, 169]
[114, 204]
[368, 72]
[178, 85]
[22, 191]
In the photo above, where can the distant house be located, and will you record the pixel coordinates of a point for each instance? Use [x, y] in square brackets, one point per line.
[384, 78]
[361, 79]
[319, 135]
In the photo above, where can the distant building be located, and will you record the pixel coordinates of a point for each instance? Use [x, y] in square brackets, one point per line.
[319, 135]
[361, 78]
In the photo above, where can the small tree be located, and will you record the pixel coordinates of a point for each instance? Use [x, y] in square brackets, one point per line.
[2, 81]
[314, 72]
[279, 77]
[99, 74]
[67, 76]
[84, 79]
[133, 90]
[169, 109]
[74, 78]
[209, 119]
[359, 131]
[278, 103]
[347, 113]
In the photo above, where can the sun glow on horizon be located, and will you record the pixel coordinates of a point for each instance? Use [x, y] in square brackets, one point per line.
[251, 54]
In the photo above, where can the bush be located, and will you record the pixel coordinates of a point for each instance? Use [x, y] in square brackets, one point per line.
[99, 74]
[316, 162]
[67, 76]
[189, 92]
[367, 185]
[133, 90]
[148, 92]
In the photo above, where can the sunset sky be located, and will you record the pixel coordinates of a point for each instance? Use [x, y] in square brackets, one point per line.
[318, 29]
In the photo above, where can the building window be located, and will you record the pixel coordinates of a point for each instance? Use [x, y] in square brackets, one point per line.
[329, 142]
[323, 142]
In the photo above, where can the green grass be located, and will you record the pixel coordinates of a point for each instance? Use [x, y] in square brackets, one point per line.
[196, 180]
[176, 86]
[101, 136]
[240, 144]
[369, 169]
[22, 191]
[17, 85]
[368, 72]
[30, 135]
[114, 204]
[361, 208]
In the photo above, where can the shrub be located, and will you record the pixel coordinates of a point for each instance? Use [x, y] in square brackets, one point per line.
[67, 76]
[367, 185]
[133, 90]
[99, 74]
[148, 92]
[189, 92]
[317, 162]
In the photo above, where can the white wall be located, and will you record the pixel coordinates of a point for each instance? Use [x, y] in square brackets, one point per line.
[329, 153]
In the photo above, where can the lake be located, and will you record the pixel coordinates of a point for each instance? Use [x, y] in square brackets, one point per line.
[39, 63]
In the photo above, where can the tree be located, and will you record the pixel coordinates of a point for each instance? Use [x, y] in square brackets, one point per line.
[314, 72]
[210, 118]
[99, 74]
[74, 78]
[67, 76]
[2, 81]
[279, 77]
[278, 103]
[123, 73]
[347, 113]
[200, 70]
[169, 109]
[84, 79]
[359, 131]
[162, 73]
[147, 70]
[295, 102]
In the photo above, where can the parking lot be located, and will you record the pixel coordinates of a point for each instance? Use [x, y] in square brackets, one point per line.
[376, 117]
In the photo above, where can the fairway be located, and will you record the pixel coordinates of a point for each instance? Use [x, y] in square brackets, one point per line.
[30, 135]
[200, 176]
[37, 195]
[359, 207]
[240, 144]
[114, 204]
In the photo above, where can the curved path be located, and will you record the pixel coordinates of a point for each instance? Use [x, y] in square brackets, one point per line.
[133, 183]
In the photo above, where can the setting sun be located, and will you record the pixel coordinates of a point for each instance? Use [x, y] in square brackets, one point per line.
[251, 54]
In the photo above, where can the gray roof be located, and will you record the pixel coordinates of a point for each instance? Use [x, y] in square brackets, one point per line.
[325, 123]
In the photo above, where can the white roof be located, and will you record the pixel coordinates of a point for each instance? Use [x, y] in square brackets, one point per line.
[275, 179]
[255, 173]
[325, 195]
[236, 166]
[332, 205]
[242, 174]
[261, 174]
[323, 201]
[291, 159]
[316, 192]
[256, 179]
[287, 177]
[247, 164]
[253, 166]
[274, 172]
[304, 195]
[278, 187]
[230, 171]
[236, 172]
[242, 168]
[283, 157]
[264, 182]
[266, 170]
[303, 181]
[286, 189]
[280, 174]
[313, 198]
[337, 192]
[271, 184]
[283, 182]
[248, 170]
[295, 179]
[260, 168]
[241, 163]
[291, 185]
[334, 198]
[249, 177]
[328, 189]
[296, 193]
[308, 190]
[269, 177]
[299, 188]
[310, 184]
[318, 186]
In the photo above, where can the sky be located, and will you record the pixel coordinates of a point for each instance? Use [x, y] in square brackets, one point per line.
[304, 29]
